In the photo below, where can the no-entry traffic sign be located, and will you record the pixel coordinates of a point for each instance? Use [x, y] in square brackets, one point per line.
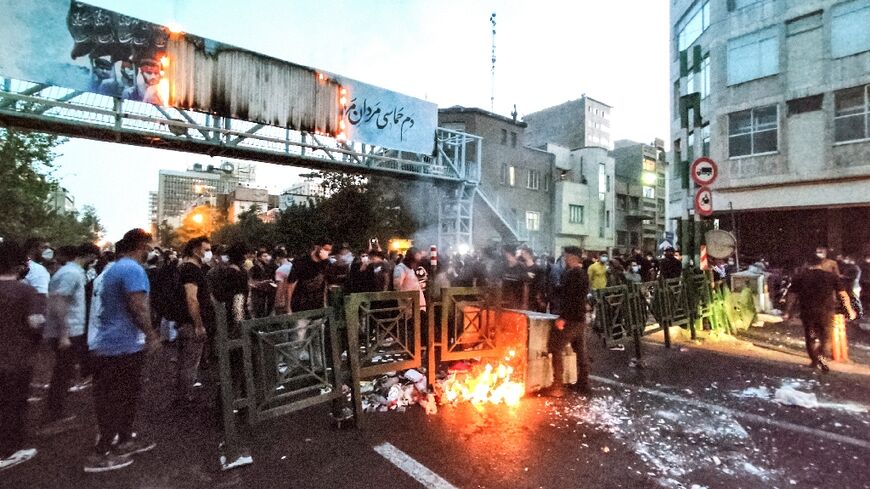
[704, 201]
[704, 171]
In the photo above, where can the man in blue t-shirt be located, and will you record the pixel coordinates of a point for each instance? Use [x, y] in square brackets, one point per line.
[123, 335]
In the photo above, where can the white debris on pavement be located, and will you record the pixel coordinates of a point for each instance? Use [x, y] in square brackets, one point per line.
[674, 442]
[792, 397]
[796, 392]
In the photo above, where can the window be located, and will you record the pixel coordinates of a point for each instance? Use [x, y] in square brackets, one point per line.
[547, 182]
[676, 108]
[504, 136]
[754, 55]
[622, 238]
[533, 180]
[533, 221]
[620, 202]
[602, 179]
[513, 140]
[607, 219]
[575, 214]
[634, 203]
[852, 114]
[512, 176]
[754, 131]
[703, 78]
[693, 24]
[503, 176]
[803, 23]
[849, 32]
[690, 147]
[739, 4]
[649, 192]
[608, 183]
[705, 140]
[635, 239]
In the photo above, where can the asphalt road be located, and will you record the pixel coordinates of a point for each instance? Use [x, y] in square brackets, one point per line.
[691, 418]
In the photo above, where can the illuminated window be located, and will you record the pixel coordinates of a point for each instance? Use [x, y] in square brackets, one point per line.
[533, 221]
[649, 192]
[512, 176]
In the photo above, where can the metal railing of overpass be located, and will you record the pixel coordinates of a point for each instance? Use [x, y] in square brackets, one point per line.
[73, 113]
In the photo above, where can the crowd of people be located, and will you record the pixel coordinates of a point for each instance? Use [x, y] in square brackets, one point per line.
[101, 312]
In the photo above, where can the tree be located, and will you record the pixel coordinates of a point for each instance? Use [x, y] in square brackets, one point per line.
[26, 180]
[202, 220]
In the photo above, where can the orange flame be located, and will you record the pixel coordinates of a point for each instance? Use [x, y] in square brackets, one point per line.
[487, 383]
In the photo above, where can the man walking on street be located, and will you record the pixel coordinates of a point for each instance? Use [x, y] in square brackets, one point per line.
[66, 327]
[119, 355]
[570, 328]
[818, 293]
[22, 313]
[598, 272]
[195, 316]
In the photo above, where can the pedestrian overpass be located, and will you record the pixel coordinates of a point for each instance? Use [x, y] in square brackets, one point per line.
[193, 117]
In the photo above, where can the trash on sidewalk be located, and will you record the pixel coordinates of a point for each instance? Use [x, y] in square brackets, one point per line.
[791, 397]
[394, 391]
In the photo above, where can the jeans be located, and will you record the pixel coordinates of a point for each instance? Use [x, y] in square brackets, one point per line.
[189, 354]
[117, 385]
[575, 335]
[65, 362]
[14, 386]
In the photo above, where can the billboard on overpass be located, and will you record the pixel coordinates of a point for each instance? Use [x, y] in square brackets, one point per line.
[91, 49]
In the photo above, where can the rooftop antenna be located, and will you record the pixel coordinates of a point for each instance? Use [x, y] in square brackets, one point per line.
[492, 85]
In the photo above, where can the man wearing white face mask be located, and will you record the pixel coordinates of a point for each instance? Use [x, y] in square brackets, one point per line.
[827, 265]
[192, 326]
[37, 275]
[632, 273]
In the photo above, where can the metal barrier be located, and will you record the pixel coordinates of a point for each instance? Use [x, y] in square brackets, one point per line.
[464, 324]
[273, 366]
[383, 335]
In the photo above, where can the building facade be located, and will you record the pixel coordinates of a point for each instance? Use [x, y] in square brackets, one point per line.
[514, 199]
[302, 193]
[152, 212]
[583, 201]
[61, 201]
[777, 92]
[641, 199]
[579, 123]
[179, 191]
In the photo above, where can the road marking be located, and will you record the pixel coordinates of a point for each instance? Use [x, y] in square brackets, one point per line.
[415, 469]
[738, 414]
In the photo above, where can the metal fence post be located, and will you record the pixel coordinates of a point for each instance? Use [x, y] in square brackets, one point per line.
[663, 297]
[233, 450]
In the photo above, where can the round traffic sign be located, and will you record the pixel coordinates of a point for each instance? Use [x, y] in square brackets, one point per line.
[704, 201]
[704, 171]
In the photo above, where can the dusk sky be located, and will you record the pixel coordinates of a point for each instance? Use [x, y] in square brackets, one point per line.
[548, 52]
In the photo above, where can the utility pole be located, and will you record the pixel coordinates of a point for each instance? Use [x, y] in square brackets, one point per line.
[492, 83]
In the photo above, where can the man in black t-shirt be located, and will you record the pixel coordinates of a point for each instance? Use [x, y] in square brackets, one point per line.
[192, 323]
[22, 311]
[670, 266]
[229, 285]
[263, 286]
[818, 292]
[307, 284]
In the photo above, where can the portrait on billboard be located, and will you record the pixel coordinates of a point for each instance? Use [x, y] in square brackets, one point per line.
[123, 54]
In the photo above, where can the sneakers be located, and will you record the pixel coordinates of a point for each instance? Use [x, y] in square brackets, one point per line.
[133, 446]
[105, 462]
[16, 458]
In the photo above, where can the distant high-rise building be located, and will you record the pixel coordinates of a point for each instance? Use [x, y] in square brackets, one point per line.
[576, 124]
[61, 201]
[302, 193]
[178, 191]
[152, 211]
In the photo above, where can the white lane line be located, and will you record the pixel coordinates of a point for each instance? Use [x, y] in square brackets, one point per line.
[739, 414]
[415, 469]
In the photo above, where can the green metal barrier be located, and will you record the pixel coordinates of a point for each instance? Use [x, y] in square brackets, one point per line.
[383, 335]
[274, 366]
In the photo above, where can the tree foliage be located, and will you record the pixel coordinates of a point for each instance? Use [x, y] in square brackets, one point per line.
[358, 209]
[26, 180]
